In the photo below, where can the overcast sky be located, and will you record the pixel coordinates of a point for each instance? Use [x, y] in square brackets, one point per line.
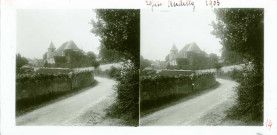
[37, 28]
[161, 28]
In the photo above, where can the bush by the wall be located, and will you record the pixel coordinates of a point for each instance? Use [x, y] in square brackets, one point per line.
[250, 102]
[126, 106]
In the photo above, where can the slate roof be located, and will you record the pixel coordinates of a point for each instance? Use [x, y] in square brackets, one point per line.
[65, 46]
[71, 45]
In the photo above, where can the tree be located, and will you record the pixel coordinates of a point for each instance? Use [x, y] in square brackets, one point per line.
[119, 30]
[110, 56]
[144, 63]
[213, 60]
[241, 32]
[20, 61]
[46, 64]
[91, 56]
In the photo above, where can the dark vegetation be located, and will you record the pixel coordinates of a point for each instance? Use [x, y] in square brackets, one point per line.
[113, 72]
[157, 91]
[144, 63]
[35, 89]
[119, 32]
[20, 61]
[242, 36]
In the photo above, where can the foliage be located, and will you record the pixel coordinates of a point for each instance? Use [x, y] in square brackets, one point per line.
[35, 89]
[113, 72]
[46, 64]
[20, 61]
[119, 30]
[241, 31]
[144, 63]
[242, 35]
[91, 56]
[110, 56]
[199, 61]
[127, 101]
[182, 61]
[59, 59]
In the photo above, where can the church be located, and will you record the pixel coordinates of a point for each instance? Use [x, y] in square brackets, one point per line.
[63, 53]
[188, 52]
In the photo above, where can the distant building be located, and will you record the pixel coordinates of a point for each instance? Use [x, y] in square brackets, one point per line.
[64, 52]
[188, 52]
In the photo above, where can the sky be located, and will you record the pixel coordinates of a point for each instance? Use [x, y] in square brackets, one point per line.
[36, 28]
[161, 28]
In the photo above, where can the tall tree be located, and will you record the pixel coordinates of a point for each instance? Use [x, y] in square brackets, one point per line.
[241, 32]
[119, 30]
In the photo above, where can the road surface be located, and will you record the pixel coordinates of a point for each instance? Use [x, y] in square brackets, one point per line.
[189, 111]
[67, 110]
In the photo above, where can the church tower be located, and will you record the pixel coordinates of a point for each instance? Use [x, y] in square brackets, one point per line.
[173, 55]
[51, 53]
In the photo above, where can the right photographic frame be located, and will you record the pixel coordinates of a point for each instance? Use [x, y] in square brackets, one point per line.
[202, 67]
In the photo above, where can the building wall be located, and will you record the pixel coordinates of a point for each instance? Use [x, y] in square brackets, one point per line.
[50, 56]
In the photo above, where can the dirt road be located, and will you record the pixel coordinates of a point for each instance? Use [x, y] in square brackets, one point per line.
[189, 111]
[67, 110]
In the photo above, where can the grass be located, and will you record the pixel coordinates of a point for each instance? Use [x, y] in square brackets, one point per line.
[173, 100]
[22, 108]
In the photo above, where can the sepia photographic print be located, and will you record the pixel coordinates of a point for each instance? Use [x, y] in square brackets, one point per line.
[180, 67]
[77, 67]
[202, 67]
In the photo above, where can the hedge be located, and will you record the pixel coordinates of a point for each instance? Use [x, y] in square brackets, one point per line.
[33, 89]
[157, 89]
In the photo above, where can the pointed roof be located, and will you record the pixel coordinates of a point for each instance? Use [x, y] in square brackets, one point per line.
[52, 45]
[71, 45]
[66, 45]
[174, 48]
[193, 47]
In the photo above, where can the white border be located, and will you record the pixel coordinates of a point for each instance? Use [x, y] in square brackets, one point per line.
[8, 47]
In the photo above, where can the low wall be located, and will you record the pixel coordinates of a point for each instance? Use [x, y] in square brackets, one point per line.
[82, 79]
[162, 89]
[35, 88]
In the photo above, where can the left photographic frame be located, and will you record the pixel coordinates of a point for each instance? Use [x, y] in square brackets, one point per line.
[77, 67]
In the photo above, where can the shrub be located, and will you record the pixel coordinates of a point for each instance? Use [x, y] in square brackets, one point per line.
[127, 101]
[113, 72]
[250, 94]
